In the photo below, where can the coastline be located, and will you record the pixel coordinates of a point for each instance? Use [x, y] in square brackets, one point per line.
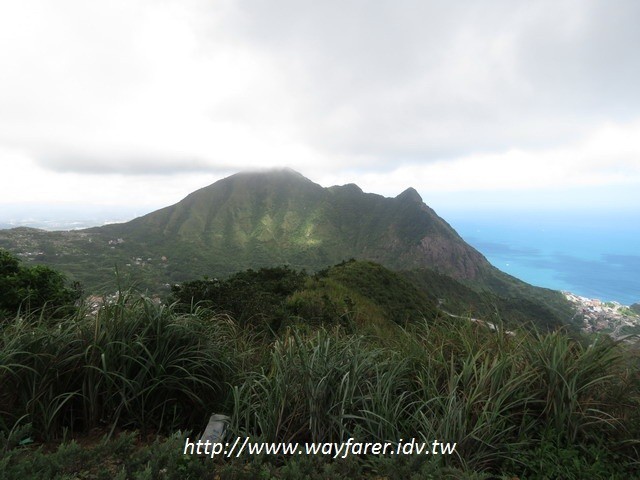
[596, 316]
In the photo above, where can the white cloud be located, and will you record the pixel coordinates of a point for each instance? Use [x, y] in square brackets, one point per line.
[131, 101]
[609, 156]
[24, 181]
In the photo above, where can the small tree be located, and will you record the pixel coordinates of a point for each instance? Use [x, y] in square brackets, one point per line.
[30, 289]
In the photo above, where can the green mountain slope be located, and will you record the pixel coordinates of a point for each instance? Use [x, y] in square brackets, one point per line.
[254, 220]
[354, 293]
[502, 298]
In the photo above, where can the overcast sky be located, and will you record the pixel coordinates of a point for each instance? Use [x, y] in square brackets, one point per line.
[505, 104]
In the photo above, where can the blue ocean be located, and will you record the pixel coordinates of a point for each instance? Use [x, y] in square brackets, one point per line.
[596, 255]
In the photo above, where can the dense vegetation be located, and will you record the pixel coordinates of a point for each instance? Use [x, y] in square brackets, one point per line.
[255, 220]
[250, 297]
[31, 289]
[350, 293]
[336, 364]
[511, 301]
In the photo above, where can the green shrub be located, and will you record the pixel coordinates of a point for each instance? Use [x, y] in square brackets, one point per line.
[547, 459]
[251, 297]
[33, 290]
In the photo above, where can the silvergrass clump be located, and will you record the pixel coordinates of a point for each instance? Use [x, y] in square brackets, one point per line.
[468, 387]
[495, 394]
[574, 381]
[325, 387]
[134, 364]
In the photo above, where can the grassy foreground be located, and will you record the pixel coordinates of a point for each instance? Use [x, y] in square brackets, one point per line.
[146, 375]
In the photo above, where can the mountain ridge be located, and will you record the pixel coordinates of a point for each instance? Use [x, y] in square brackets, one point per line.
[269, 218]
[282, 210]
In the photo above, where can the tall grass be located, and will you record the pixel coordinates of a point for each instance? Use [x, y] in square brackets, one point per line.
[574, 381]
[500, 397]
[315, 388]
[494, 394]
[134, 364]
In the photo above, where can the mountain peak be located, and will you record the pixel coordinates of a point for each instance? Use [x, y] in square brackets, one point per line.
[259, 180]
[271, 172]
[349, 187]
[271, 217]
[410, 194]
